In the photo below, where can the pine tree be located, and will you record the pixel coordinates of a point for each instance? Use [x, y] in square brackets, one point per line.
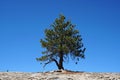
[61, 41]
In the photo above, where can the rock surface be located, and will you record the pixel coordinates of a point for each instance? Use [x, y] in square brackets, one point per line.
[55, 75]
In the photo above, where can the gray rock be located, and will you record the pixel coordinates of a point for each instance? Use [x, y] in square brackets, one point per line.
[64, 75]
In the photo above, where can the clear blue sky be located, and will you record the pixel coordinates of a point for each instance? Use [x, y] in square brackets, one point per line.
[22, 25]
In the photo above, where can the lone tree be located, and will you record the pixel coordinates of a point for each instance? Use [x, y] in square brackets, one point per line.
[61, 42]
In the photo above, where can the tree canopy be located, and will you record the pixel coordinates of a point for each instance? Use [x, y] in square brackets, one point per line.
[61, 41]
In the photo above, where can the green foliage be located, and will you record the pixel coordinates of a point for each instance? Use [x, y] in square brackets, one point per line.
[61, 37]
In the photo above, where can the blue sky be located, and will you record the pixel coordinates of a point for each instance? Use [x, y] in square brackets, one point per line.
[22, 25]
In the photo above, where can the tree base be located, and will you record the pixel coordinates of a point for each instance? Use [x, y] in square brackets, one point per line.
[66, 71]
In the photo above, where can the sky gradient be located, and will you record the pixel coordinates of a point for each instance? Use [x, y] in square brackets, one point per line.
[22, 25]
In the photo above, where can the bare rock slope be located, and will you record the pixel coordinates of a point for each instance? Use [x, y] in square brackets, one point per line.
[55, 75]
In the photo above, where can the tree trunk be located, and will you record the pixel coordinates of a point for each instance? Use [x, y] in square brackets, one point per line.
[60, 67]
[61, 61]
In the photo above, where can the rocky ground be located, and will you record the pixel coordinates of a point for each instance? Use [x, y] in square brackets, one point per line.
[56, 75]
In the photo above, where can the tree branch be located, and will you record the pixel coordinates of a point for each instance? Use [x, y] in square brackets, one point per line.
[55, 62]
